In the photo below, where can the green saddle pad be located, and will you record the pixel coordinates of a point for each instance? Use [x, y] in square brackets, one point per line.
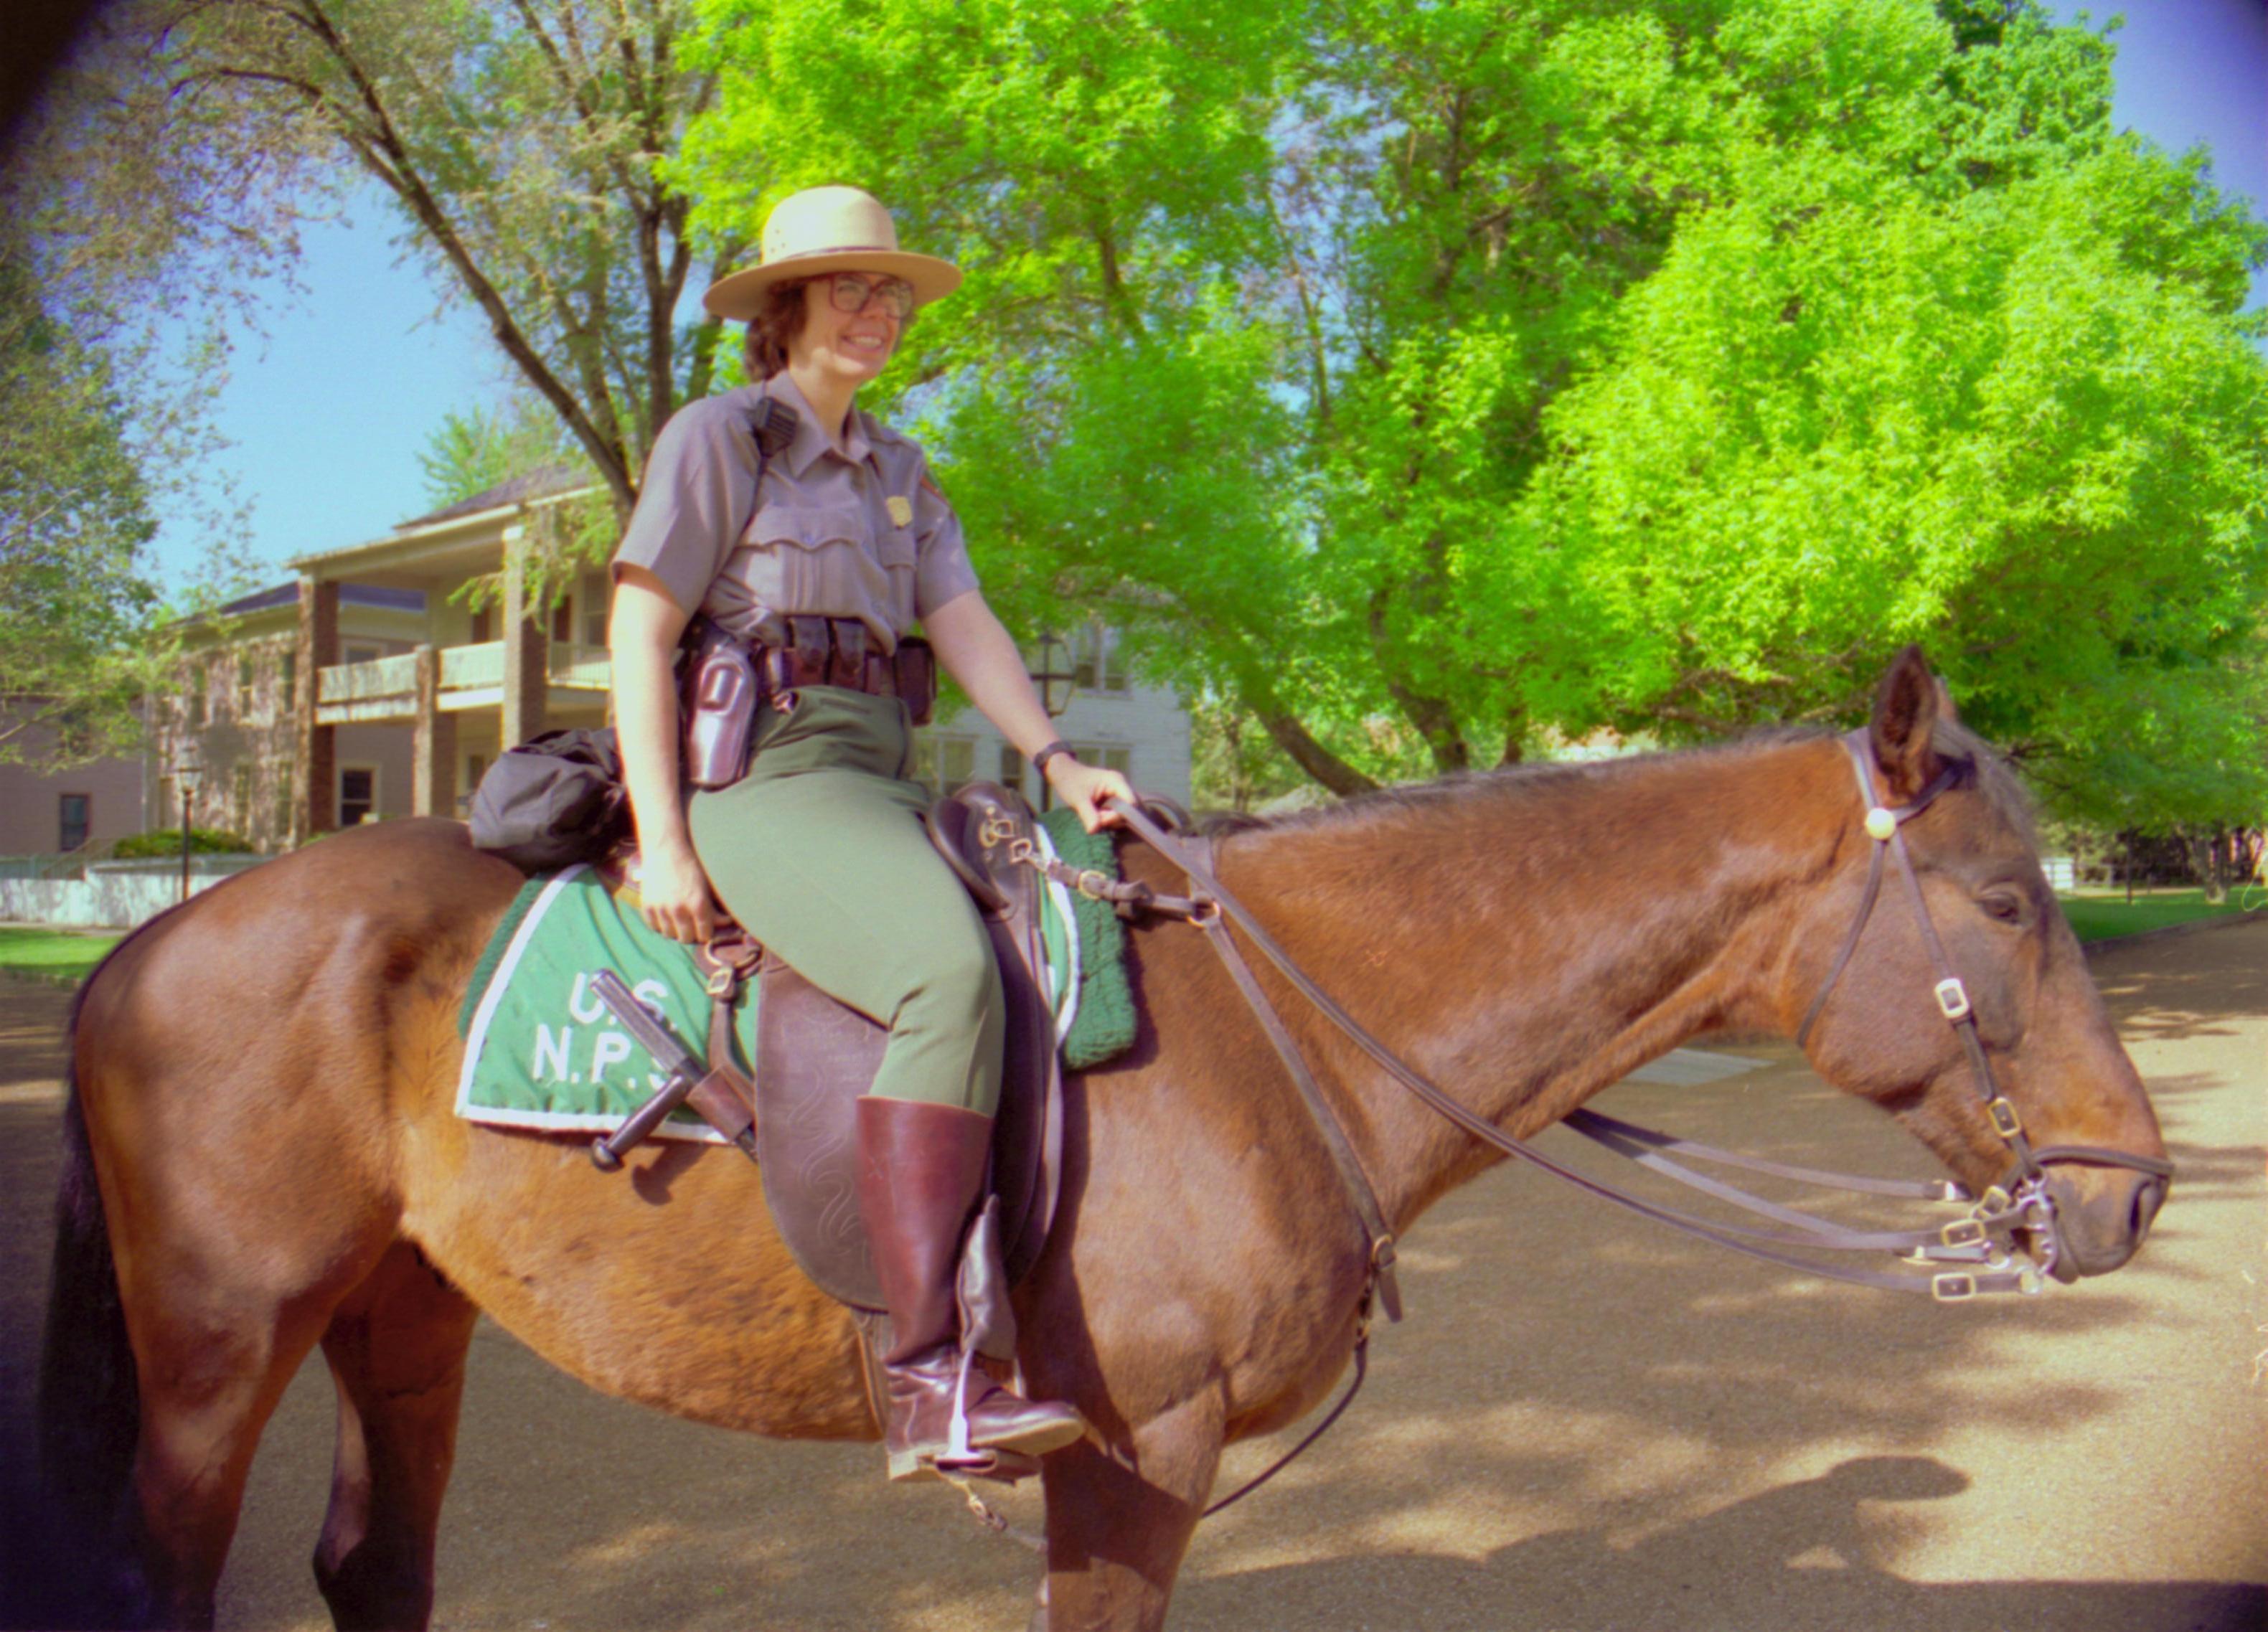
[542, 1052]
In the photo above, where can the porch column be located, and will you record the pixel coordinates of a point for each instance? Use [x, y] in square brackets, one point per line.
[314, 767]
[433, 753]
[526, 649]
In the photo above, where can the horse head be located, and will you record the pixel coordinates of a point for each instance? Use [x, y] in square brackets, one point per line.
[2057, 1108]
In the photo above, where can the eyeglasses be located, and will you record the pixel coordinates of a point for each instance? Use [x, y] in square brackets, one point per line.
[849, 292]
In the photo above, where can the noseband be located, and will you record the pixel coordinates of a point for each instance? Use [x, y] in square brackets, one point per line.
[2021, 1201]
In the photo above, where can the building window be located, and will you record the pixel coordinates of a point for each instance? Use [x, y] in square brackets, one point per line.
[196, 705]
[1106, 756]
[483, 627]
[243, 792]
[562, 622]
[362, 653]
[77, 813]
[595, 595]
[244, 686]
[287, 684]
[357, 794]
[1011, 767]
[947, 763]
[1097, 663]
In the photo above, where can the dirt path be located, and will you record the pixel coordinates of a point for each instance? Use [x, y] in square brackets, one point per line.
[1586, 1425]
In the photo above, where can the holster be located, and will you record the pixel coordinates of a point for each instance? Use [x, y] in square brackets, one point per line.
[719, 707]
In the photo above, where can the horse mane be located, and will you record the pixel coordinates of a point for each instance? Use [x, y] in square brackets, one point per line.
[1975, 766]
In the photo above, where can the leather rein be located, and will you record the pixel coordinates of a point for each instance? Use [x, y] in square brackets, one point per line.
[1980, 1246]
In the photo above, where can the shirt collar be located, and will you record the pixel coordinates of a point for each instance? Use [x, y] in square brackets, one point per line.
[811, 437]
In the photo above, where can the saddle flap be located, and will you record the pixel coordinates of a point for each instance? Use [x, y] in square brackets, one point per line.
[815, 1057]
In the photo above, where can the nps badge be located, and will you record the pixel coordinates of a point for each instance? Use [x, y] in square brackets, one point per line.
[902, 511]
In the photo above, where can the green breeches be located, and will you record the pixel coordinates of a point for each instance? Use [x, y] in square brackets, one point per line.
[820, 851]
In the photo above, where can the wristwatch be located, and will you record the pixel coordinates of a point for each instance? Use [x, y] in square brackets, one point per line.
[1058, 746]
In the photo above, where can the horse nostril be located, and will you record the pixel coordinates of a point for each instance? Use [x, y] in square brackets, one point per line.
[2149, 1196]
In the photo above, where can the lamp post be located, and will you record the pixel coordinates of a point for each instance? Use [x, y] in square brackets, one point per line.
[1057, 679]
[188, 768]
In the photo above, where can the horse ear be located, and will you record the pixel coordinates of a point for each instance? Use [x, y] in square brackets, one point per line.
[1909, 706]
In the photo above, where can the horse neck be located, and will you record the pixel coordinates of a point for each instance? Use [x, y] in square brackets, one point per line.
[1526, 940]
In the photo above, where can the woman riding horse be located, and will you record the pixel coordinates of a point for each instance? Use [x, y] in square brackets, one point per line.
[818, 849]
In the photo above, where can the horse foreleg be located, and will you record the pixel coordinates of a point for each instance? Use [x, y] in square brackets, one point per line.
[396, 1349]
[1119, 1521]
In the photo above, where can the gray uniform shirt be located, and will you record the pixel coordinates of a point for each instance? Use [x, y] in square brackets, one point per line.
[857, 531]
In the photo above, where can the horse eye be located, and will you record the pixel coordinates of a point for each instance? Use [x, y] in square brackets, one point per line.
[2004, 908]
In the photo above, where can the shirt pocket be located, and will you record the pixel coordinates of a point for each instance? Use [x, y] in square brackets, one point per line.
[901, 556]
[814, 559]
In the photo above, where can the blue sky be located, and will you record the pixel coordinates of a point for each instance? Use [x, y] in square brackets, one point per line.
[328, 415]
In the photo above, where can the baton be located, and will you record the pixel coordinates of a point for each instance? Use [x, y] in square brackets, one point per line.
[685, 1071]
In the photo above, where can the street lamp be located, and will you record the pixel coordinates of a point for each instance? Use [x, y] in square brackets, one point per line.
[1057, 679]
[188, 769]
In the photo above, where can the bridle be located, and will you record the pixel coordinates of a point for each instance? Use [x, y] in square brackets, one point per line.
[2021, 1200]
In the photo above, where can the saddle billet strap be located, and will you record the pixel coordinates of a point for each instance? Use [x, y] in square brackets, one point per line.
[1754, 1243]
[1130, 897]
[1379, 1241]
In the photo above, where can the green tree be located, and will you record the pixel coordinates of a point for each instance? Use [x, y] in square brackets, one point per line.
[1489, 369]
[74, 519]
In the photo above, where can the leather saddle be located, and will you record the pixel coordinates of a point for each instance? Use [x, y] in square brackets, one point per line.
[815, 1056]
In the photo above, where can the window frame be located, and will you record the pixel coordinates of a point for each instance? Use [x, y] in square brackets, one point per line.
[339, 793]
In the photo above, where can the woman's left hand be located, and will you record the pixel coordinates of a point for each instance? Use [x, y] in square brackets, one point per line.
[1085, 787]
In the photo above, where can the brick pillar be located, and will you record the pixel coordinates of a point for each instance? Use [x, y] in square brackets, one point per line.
[526, 651]
[314, 773]
[433, 753]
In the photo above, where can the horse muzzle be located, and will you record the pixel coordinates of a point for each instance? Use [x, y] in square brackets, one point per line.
[2103, 1216]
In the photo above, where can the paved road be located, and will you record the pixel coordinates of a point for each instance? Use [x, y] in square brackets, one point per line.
[1586, 1425]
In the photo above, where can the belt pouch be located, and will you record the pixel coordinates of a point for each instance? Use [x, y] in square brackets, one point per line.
[720, 709]
[847, 665]
[915, 673]
[810, 645]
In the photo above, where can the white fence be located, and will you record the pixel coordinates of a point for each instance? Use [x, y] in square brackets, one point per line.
[113, 894]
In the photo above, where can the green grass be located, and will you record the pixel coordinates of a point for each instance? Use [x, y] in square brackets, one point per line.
[2106, 915]
[60, 956]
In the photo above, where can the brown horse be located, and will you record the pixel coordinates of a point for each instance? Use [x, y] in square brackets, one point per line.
[264, 1157]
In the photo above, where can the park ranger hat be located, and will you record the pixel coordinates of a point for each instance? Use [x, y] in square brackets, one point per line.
[829, 229]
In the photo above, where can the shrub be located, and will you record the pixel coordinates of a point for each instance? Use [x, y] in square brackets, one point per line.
[167, 841]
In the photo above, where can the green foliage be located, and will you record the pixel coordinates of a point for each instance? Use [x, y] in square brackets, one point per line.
[74, 520]
[1422, 381]
[167, 841]
[469, 453]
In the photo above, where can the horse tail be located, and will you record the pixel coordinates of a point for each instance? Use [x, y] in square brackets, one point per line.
[89, 1412]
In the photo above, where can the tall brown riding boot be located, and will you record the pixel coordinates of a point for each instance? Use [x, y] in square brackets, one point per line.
[919, 1170]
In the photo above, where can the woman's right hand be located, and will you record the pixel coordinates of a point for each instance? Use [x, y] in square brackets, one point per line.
[674, 894]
